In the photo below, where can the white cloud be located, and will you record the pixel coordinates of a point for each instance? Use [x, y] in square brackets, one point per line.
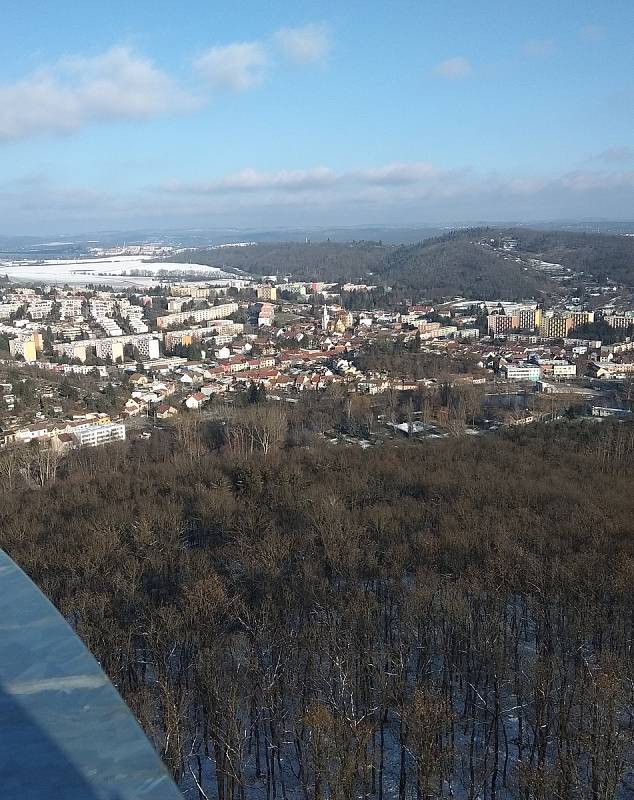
[285, 179]
[76, 91]
[453, 68]
[306, 45]
[118, 83]
[538, 47]
[238, 66]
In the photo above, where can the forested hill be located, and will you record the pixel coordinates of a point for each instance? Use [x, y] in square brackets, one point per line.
[328, 261]
[459, 263]
[441, 267]
[602, 255]
[450, 266]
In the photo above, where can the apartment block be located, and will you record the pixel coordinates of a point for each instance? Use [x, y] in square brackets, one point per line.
[529, 319]
[201, 315]
[95, 435]
[620, 322]
[102, 308]
[267, 293]
[522, 372]
[39, 309]
[70, 307]
[6, 309]
[556, 326]
[499, 324]
[562, 371]
[190, 292]
[24, 348]
[73, 350]
[581, 318]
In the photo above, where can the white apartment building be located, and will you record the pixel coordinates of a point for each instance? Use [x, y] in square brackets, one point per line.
[201, 315]
[102, 308]
[70, 307]
[71, 349]
[469, 333]
[227, 328]
[620, 322]
[147, 344]
[190, 292]
[94, 435]
[564, 370]
[137, 326]
[6, 309]
[522, 372]
[109, 326]
[38, 309]
[175, 304]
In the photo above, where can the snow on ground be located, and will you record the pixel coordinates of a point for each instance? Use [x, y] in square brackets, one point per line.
[104, 270]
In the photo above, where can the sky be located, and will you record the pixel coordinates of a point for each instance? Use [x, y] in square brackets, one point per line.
[151, 113]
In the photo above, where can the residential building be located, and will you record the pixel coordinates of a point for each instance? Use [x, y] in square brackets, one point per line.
[556, 326]
[196, 401]
[564, 371]
[522, 372]
[73, 350]
[200, 315]
[190, 292]
[71, 307]
[24, 347]
[266, 293]
[499, 324]
[529, 319]
[581, 318]
[95, 435]
[620, 322]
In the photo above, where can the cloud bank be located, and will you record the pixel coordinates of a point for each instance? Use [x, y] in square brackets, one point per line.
[396, 193]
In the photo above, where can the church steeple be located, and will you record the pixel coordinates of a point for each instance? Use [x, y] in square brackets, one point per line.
[325, 318]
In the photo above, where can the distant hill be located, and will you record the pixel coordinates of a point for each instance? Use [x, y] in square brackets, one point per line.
[461, 262]
[436, 268]
[328, 261]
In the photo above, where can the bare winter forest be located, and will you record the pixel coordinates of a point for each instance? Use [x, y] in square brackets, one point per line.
[292, 619]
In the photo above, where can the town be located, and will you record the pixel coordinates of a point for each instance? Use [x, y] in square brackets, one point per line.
[90, 365]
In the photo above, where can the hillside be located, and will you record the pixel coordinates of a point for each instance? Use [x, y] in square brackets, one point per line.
[452, 265]
[449, 265]
[436, 268]
[330, 261]
[601, 255]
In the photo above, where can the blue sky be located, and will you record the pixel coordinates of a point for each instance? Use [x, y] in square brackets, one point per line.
[253, 114]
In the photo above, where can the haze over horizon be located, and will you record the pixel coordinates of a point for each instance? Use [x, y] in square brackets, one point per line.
[129, 116]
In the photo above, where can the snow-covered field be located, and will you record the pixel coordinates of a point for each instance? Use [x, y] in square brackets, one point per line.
[111, 270]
